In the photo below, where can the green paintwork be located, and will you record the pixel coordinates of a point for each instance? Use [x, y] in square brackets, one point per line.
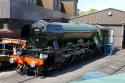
[76, 35]
[76, 27]
[67, 27]
[75, 30]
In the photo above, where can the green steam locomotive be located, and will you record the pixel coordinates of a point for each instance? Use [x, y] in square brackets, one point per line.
[56, 44]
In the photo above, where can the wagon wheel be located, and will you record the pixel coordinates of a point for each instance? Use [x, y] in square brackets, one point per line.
[0, 64]
[86, 55]
[25, 69]
[66, 62]
[41, 71]
[82, 55]
[19, 68]
[79, 57]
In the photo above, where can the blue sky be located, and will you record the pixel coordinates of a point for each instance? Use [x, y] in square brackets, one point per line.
[101, 4]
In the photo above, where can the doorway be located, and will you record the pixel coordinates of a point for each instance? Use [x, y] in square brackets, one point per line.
[25, 32]
[123, 43]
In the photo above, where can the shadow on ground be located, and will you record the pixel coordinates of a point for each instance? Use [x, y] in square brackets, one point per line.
[74, 66]
[5, 69]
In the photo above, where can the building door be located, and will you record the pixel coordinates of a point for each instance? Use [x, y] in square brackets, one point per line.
[25, 33]
[123, 43]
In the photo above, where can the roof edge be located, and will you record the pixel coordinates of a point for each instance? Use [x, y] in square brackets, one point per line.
[97, 12]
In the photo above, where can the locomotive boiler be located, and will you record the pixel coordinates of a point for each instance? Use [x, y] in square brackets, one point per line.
[43, 32]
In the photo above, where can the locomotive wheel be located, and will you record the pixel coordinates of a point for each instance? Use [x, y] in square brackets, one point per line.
[0, 64]
[86, 55]
[79, 57]
[25, 69]
[41, 71]
[82, 56]
[71, 59]
[37, 71]
[19, 69]
[66, 62]
[60, 65]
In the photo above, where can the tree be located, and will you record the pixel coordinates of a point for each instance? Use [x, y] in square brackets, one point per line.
[81, 13]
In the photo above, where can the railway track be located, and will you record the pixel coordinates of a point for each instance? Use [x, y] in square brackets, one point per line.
[16, 78]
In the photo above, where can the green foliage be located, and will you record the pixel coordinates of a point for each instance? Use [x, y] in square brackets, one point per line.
[81, 13]
[34, 1]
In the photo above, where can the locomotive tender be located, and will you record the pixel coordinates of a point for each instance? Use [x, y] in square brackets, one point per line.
[6, 50]
[56, 44]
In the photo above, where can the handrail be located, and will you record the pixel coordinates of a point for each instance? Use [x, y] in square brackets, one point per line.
[6, 50]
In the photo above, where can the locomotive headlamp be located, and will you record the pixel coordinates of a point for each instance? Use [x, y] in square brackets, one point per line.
[11, 60]
[37, 30]
[43, 56]
[32, 64]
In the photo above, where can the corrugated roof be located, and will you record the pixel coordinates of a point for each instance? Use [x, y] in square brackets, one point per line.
[107, 16]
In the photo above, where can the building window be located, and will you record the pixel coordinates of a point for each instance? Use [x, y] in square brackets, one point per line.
[5, 26]
[56, 3]
[34, 1]
[30, 1]
[110, 13]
